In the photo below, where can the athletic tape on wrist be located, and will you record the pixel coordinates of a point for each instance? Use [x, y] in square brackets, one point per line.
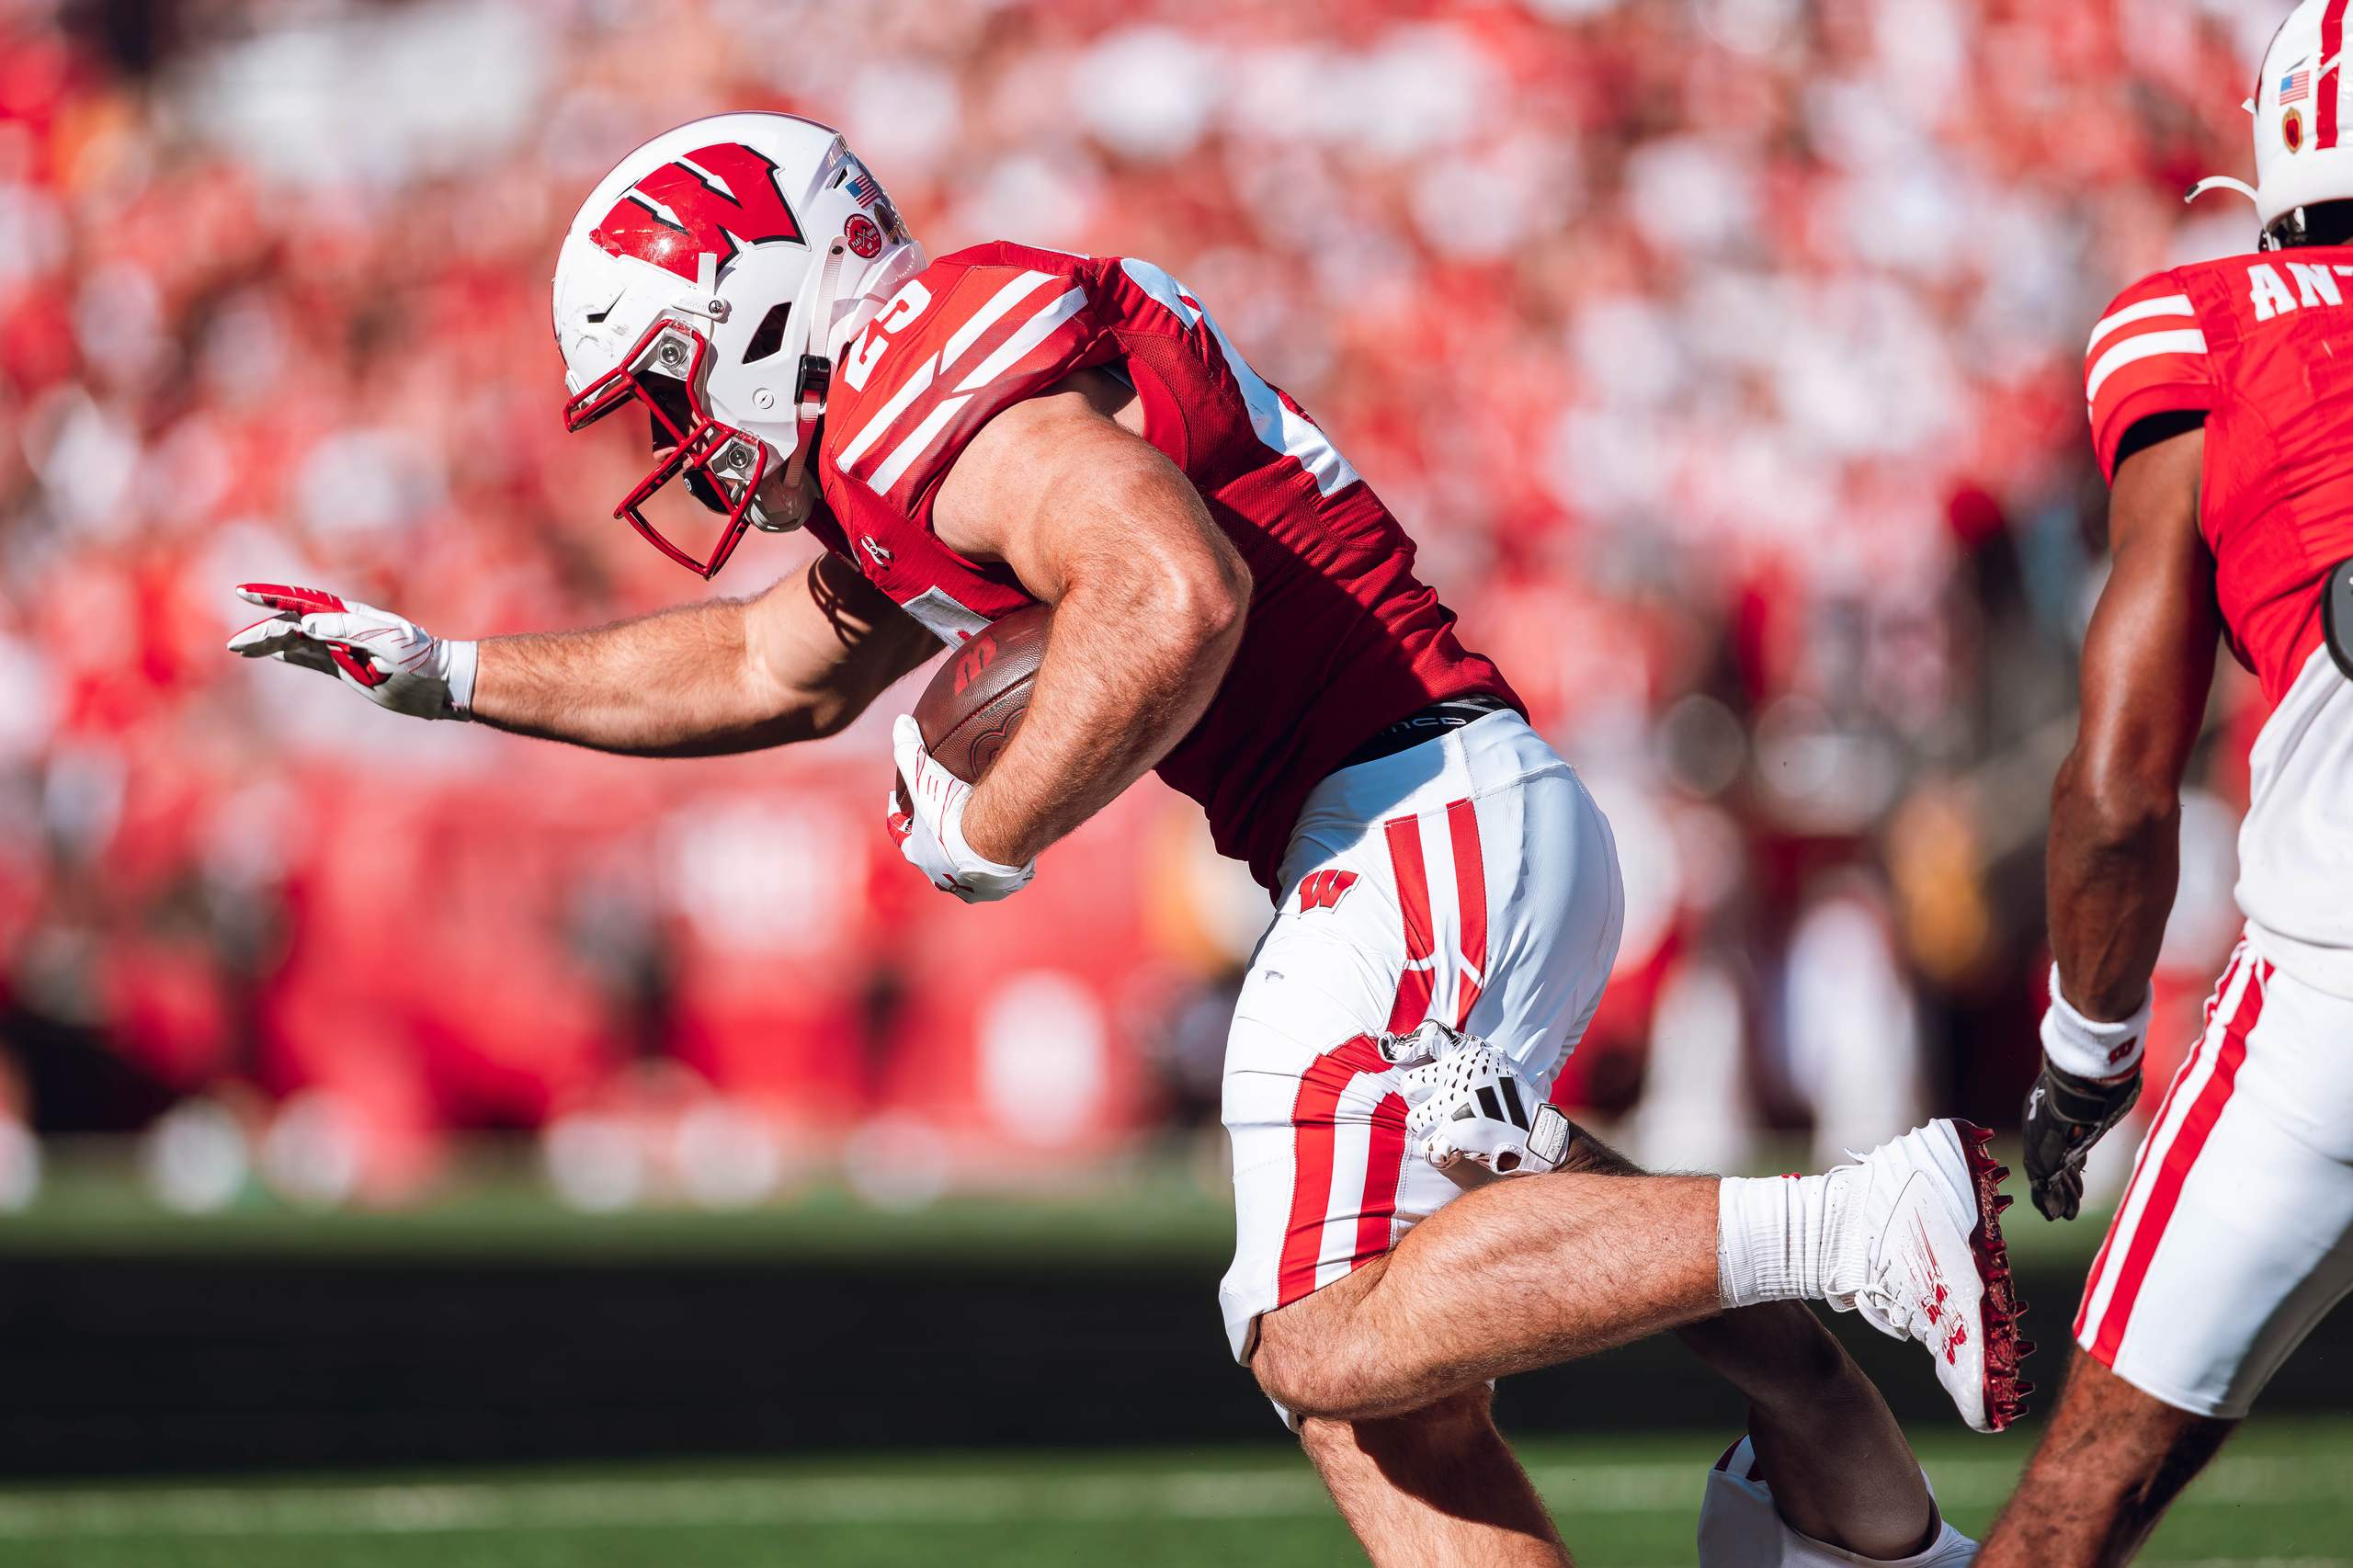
[2086, 1047]
[462, 679]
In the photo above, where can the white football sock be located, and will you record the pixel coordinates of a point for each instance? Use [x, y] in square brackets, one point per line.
[1780, 1238]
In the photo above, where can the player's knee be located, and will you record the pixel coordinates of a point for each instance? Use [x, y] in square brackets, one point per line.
[1309, 1380]
[1312, 1367]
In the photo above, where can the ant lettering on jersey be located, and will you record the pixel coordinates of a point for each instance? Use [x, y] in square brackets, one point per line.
[2315, 284]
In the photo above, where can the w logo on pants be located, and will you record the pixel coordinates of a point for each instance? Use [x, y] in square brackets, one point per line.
[1323, 890]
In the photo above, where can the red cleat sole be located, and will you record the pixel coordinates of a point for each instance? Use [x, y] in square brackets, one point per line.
[2005, 1391]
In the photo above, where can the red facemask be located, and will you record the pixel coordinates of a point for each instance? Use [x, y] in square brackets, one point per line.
[723, 467]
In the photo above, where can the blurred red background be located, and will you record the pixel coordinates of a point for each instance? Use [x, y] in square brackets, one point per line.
[1723, 357]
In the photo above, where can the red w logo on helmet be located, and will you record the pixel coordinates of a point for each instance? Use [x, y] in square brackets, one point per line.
[703, 218]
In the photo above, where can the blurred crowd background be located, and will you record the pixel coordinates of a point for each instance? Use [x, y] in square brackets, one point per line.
[1723, 355]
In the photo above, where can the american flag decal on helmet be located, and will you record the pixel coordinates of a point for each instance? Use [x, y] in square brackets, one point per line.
[862, 188]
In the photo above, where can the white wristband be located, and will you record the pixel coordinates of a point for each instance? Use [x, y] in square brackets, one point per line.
[461, 677]
[2086, 1047]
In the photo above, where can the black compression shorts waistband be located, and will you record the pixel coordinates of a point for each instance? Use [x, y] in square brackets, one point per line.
[1424, 724]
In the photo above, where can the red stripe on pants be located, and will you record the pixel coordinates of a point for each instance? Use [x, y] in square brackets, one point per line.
[1415, 980]
[1384, 1168]
[2124, 1204]
[1314, 1121]
[2180, 1154]
[1471, 895]
[2328, 83]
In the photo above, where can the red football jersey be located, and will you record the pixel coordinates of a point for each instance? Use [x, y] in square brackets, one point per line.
[1341, 639]
[2263, 346]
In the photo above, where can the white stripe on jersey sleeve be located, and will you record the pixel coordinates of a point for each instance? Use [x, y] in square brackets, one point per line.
[919, 442]
[2188, 340]
[2168, 305]
[884, 418]
[1017, 348]
[988, 315]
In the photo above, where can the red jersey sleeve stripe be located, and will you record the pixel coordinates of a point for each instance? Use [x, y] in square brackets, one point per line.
[2144, 346]
[1003, 339]
[1022, 344]
[918, 382]
[919, 442]
[988, 315]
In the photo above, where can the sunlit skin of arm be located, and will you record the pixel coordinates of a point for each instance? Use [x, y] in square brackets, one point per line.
[2115, 853]
[795, 663]
[1149, 598]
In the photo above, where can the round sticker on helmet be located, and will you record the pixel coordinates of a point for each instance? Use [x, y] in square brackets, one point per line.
[2291, 130]
[863, 236]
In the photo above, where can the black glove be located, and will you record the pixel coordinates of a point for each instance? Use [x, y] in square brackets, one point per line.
[2064, 1117]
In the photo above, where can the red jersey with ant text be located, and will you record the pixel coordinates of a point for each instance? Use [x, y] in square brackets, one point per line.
[2261, 345]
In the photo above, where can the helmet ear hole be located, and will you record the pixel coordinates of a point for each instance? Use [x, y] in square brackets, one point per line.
[769, 340]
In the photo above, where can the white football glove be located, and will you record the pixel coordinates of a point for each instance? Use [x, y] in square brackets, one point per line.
[928, 826]
[1466, 1104]
[394, 663]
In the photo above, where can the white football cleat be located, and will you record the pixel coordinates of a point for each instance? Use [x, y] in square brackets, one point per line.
[1739, 1528]
[1933, 1266]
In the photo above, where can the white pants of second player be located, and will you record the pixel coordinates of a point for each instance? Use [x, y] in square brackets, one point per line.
[2235, 1234]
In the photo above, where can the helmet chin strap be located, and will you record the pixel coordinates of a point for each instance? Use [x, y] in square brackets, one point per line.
[2265, 241]
[2219, 182]
[815, 379]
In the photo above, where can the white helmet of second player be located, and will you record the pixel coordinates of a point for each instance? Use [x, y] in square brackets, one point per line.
[2303, 123]
[711, 278]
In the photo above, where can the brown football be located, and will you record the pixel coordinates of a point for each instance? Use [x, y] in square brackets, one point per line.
[977, 698]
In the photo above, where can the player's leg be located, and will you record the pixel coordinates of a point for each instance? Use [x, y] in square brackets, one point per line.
[1321, 1181]
[1741, 1527]
[1839, 1466]
[1542, 1270]
[2112, 1460]
[1430, 1488]
[2233, 1238]
[1395, 917]
[1435, 1487]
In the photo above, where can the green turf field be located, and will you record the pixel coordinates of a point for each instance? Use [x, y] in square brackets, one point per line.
[493, 1203]
[2279, 1498]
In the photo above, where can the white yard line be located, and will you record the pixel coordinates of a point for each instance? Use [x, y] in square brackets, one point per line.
[656, 1503]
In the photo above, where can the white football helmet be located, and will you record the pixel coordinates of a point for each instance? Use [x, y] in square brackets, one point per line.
[2303, 124]
[712, 276]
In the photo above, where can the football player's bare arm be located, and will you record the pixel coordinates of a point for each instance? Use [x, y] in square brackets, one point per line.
[1149, 598]
[796, 663]
[2148, 659]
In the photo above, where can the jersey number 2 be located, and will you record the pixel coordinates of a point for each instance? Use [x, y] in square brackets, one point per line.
[906, 305]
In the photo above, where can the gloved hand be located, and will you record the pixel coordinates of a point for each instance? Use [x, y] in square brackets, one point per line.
[394, 663]
[926, 821]
[1466, 1104]
[2066, 1114]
